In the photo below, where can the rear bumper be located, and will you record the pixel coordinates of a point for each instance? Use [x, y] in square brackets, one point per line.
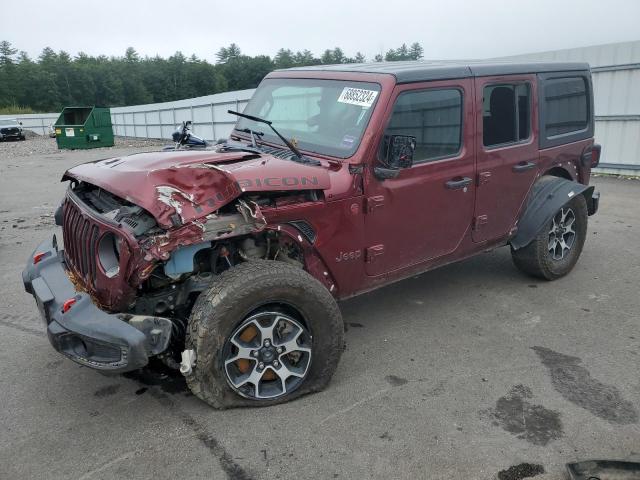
[112, 343]
[593, 203]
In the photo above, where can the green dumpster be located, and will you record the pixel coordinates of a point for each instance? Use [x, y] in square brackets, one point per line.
[84, 127]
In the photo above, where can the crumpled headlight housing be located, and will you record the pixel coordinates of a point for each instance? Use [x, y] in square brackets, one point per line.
[109, 254]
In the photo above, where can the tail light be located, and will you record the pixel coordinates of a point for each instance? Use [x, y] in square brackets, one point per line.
[596, 151]
[592, 155]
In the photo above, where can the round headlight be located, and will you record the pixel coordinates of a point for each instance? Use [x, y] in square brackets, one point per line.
[109, 254]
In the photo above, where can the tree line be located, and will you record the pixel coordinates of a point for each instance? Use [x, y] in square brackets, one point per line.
[56, 79]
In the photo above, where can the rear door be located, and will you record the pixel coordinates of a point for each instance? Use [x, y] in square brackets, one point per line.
[424, 212]
[507, 151]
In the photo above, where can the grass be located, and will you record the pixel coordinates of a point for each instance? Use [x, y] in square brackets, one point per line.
[15, 110]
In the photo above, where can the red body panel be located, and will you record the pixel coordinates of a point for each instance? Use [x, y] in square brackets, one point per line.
[414, 218]
[501, 189]
[567, 158]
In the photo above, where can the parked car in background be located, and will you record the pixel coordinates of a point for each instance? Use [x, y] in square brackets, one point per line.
[11, 129]
[227, 261]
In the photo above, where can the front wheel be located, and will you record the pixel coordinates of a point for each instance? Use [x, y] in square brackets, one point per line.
[556, 249]
[265, 332]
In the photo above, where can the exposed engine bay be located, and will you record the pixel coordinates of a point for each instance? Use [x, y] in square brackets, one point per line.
[176, 265]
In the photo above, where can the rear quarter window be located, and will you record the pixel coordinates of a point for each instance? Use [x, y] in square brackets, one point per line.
[566, 108]
[567, 105]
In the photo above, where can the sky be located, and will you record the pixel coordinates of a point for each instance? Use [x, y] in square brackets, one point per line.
[447, 29]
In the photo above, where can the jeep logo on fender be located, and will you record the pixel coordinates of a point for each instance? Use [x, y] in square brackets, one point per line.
[353, 255]
[277, 182]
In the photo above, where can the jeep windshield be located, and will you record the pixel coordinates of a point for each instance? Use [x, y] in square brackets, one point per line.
[322, 116]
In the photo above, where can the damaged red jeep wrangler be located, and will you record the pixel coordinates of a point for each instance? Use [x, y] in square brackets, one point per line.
[226, 261]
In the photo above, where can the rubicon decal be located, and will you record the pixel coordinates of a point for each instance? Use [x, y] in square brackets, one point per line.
[278, 182]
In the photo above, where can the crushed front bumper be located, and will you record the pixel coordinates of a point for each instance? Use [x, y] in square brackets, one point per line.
[112, 343]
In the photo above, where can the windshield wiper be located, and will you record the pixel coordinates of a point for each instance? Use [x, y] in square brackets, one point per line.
[296, 152]
[253, 134]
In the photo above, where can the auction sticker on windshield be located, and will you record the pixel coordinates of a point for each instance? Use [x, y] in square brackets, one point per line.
[358, 96]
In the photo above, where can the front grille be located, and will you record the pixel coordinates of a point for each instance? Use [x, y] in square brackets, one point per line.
[81, 236]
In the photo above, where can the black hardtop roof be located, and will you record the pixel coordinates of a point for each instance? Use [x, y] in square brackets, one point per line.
[418, 71]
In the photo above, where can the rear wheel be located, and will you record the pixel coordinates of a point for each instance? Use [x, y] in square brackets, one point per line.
[556, 249]
[266, 332]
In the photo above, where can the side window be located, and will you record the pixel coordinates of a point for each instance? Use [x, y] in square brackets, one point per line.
[506, 113]
[433, 117]
[566, 106]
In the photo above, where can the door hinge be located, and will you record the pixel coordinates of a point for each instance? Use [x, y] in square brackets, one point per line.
[479, 221]
[484, 177]
[373, 252]
[374, 203]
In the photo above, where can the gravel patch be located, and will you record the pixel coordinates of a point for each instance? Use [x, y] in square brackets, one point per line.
[43, 145]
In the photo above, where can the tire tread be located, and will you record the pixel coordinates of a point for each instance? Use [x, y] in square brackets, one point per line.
[242, 285]
[534, 259]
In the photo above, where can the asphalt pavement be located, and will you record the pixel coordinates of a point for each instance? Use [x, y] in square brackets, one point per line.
[459, 373]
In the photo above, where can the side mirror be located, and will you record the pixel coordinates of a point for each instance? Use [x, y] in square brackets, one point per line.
[400, 151]
[20, 123]
[399, 154]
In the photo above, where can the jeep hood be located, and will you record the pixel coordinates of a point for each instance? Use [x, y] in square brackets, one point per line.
[177, 187]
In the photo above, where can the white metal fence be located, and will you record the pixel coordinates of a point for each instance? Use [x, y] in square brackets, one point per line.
[208, 114]
[36, 122]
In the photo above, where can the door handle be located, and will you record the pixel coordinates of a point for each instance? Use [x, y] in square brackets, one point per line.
[523, 167]
[458, 183]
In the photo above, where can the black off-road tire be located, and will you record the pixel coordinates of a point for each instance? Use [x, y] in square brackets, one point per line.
[243, 290]
[536, 260]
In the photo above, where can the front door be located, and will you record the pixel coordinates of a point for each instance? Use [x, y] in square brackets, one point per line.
[424, 212]
[507, 152]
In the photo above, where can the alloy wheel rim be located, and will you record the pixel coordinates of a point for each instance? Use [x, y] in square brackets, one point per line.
[562, 236]
[267, 356]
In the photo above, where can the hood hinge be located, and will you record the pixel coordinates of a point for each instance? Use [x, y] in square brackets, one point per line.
[373, 252]
[479, 221]
[373, 203]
